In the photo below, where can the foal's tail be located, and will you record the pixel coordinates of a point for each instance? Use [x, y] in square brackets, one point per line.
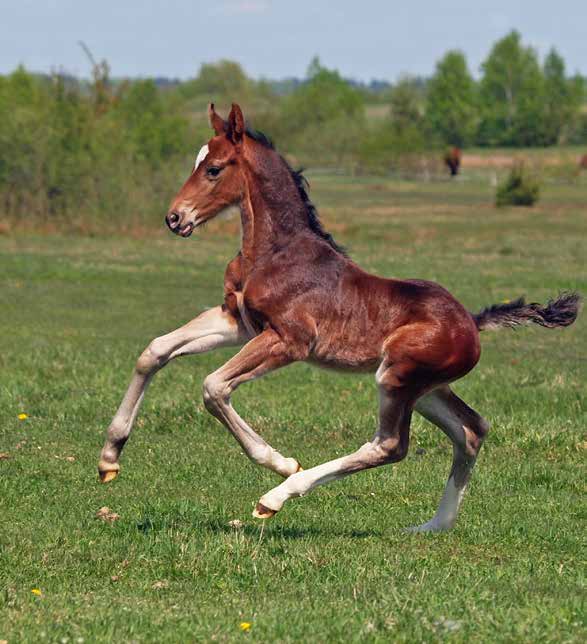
[557, 313]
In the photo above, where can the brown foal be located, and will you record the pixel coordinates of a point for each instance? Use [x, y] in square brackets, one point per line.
[292, 294]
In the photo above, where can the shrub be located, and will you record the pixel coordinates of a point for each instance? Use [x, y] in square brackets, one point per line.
[520, 188]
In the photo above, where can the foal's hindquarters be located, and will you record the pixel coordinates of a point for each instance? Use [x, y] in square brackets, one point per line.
[419, 360]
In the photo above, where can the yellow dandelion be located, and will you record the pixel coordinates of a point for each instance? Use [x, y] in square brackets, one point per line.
[245, 626]
[22, 416]
[36, 591]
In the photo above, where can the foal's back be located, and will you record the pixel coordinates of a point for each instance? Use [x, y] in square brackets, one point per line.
[347, 317]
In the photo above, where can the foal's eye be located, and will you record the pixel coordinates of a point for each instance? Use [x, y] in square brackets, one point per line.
[213, 171]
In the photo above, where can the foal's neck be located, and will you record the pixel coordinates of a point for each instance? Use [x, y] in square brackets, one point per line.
[272, 210]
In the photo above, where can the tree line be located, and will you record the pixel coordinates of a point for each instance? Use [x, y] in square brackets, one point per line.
[517, 102]
[108, 150]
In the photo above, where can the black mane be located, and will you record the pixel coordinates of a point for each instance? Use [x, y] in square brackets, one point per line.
[301, 184]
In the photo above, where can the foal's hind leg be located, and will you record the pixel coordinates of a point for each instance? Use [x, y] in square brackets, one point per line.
[210, 330]
[466, 429]
[389, 445]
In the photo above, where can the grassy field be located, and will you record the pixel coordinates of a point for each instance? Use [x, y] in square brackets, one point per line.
[335, 566]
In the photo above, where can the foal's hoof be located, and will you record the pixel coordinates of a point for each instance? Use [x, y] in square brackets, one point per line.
[263, 512]
[430, 526]
[107, 475]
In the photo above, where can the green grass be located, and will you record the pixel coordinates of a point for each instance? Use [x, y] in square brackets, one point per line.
[334, 566]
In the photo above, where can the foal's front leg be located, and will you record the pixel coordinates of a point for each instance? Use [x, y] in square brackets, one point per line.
[210, 330]
[264, 353]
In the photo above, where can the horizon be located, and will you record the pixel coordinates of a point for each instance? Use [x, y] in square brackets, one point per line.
[383, 43]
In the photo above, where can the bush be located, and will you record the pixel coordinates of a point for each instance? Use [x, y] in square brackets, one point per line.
[520, 188]
[387, 148]
[87, 155]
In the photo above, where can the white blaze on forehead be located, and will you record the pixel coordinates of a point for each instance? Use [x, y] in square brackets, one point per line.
[202, 154]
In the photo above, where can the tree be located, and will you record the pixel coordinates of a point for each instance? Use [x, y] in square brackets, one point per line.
[512, 95]
[563, 98]
[407, 120]
[396, 143]
[323, 97]
[223, 80]
[452, 106]
[324, 114]
[406, 104]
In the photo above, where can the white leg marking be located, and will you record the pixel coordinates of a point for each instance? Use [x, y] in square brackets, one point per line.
[447, 411]
[386, 447]
[211, 329]
[253, 361]
[217, 399]
[447, 512]
[303, 482]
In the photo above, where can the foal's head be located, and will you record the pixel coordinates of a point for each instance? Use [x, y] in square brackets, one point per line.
[217, 180]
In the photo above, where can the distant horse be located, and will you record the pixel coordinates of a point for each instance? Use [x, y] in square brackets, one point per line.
[583, 162]
[452, 158]
[293, 294]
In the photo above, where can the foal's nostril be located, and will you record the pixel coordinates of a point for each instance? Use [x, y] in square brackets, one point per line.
[172, 220]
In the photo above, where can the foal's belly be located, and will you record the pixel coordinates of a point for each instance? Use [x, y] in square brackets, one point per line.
[347, 354]
[349, 339]
[344, 365]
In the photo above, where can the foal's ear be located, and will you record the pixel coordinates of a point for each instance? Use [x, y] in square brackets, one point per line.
[236, 124]
[217, 123]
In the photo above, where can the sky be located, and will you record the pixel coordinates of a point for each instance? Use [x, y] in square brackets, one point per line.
[277, 38]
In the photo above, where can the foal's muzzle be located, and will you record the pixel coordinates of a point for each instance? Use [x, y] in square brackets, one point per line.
[173, 221]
